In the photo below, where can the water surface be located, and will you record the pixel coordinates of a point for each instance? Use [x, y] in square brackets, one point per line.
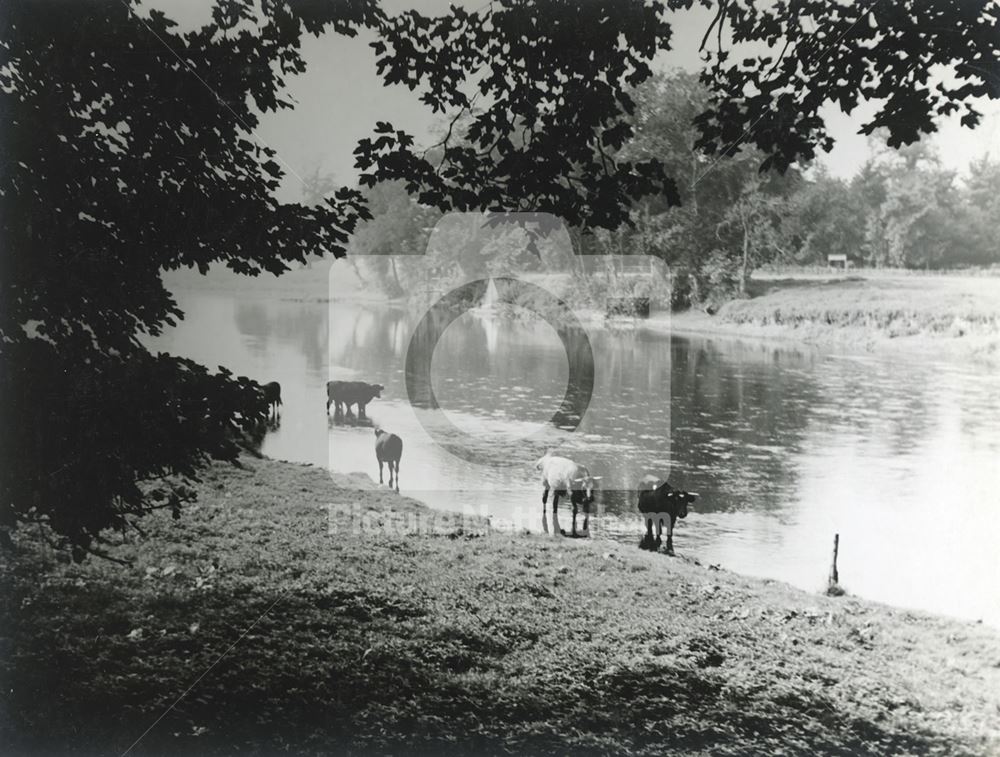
[786, 446]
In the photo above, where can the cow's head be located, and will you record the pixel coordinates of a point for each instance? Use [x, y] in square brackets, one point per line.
[680, 500]
[377, 389]
[585, 486]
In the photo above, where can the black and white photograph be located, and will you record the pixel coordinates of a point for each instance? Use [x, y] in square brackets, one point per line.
[499, 377]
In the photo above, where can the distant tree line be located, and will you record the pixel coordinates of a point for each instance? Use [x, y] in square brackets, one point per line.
[902, 209]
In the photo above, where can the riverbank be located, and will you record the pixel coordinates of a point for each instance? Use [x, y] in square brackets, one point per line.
[299, 613]
[949, 317]
[943, 317]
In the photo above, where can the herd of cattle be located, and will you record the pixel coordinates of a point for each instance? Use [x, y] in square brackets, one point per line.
[659, 503]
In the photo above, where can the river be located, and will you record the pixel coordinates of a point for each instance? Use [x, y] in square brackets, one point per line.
[786, 446]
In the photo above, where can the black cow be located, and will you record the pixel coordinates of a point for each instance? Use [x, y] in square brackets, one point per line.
[272, 396]
[662, 504]
[343, 394]
[388, 449]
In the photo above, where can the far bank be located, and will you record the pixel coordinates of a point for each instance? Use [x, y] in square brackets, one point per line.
[943, 317]
[947, 316]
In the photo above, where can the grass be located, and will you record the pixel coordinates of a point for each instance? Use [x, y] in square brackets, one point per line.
[285, 637]
[894, 308]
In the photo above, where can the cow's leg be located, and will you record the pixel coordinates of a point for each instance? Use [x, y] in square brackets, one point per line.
[361, 409]
[396, 466]
[545, 518]
[647, 540]
[586, 519]
[573, 502]
[545, 499]
[670, 535]
[556, 531]
[659, 531]
[380, 470]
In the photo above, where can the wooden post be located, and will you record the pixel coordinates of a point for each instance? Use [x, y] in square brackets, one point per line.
[834, 577]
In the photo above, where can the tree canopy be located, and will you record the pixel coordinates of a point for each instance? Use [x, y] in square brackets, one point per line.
[901, 55]
[128, 148]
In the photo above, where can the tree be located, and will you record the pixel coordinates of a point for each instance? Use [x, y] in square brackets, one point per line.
[981, 209]
[524, 59]
[912, 219]
[730, 219]
[826, 216]
[552, 81]
[818, 52]
[399, 226]
[128, 148]
[755, 218]
[317, 186]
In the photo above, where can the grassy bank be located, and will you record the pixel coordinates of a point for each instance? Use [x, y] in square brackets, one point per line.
[947, 316]
[456, 640]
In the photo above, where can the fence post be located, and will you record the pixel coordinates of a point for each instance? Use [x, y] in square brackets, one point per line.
[834, 576]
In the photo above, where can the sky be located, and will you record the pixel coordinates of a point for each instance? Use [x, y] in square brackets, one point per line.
[339, 98]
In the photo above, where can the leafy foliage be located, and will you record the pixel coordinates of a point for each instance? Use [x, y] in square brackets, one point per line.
[730, 218]
[826, 217]
[820, 52]
[554, 77]
[128, 148]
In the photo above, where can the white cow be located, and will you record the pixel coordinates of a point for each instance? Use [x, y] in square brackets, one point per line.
[562, 476]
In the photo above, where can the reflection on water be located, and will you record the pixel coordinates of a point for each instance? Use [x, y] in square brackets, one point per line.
[786, 446]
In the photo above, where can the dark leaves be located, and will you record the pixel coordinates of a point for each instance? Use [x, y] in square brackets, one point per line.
[128, 149]
[845, 53]
[551, 107]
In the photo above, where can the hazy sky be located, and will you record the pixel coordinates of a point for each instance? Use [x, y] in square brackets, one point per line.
[339, 98]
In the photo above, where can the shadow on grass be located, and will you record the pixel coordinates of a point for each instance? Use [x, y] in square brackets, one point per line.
[88, 668]
[761, 287]
[696, 708]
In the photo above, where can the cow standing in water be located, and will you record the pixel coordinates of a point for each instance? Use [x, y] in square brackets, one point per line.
[661, 505]
[343, 394]
[388, 449]
[565, 477]
[272, 396]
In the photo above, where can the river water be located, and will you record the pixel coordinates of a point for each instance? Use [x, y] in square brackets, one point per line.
[785, 445]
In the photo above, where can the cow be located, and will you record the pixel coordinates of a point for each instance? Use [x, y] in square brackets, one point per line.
[272, 396]
[562, 476]
[661, 504]
[388, 449]
[343, 394]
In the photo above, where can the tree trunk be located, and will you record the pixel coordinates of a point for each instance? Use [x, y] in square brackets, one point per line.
[395, 276]
[744, 269]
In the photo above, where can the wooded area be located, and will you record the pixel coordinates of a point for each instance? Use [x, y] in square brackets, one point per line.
[903, 209]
